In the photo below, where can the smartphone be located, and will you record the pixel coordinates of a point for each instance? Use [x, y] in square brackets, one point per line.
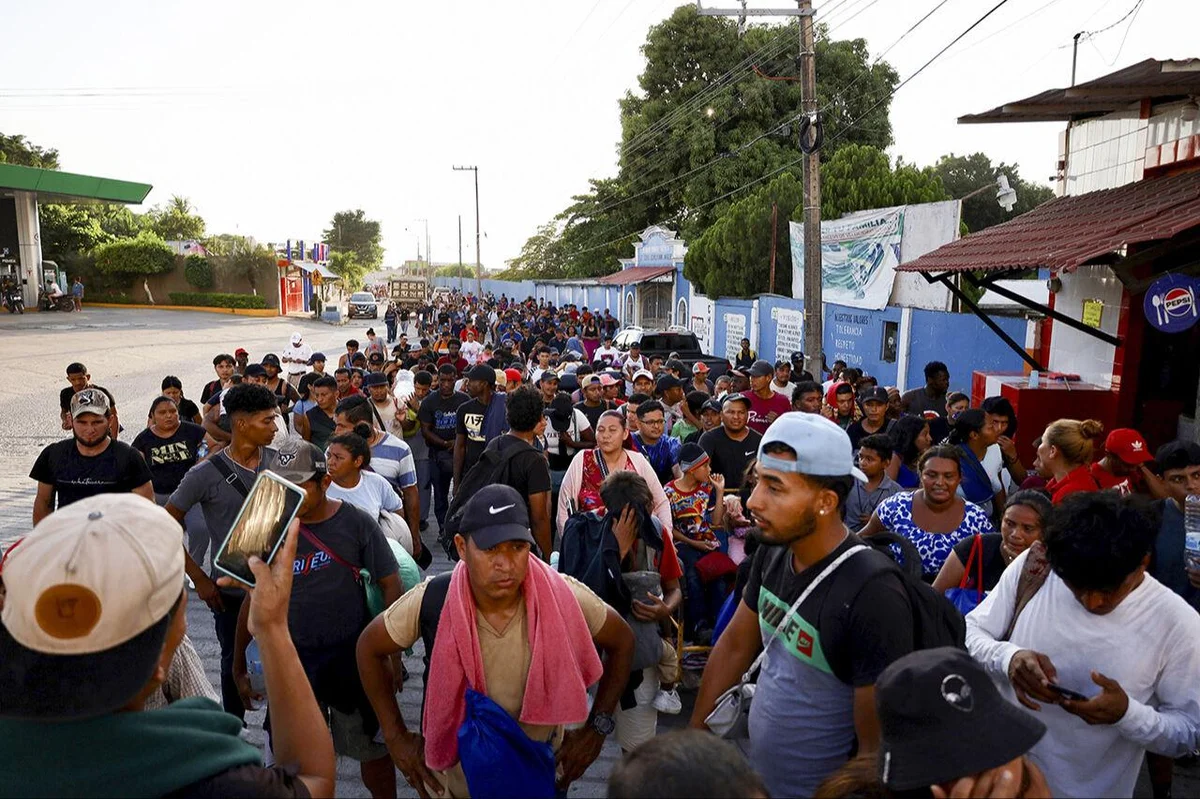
[260, 525]
[1067, 693]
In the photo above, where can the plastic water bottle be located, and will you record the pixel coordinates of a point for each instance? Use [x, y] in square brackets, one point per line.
[1034, 379]
[202, 451]
[1191, 531]
[554, 560]
[254, 668]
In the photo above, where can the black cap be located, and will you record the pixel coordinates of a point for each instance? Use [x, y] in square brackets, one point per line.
[667, 382]
[549, 374]
[942, 718]
[482, 372]
[374, 379]
[316, 357]
[877, 394]
[761, 369]
[255, 370]
[497, 513]
[711, 405]
[270, 358]
[732, 397]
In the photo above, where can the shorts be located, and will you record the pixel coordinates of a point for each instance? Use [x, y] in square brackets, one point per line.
[639, 724]
[350, 741]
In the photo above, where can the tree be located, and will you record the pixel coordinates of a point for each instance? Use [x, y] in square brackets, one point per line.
[241, 257]
[145, 255]
[345, 264]
[682, 151]
[732, 257]
[456, 270]
[178, 221]
[68, 230]
[18, 150]
[352, 232]
[198, 271]
[963, 174]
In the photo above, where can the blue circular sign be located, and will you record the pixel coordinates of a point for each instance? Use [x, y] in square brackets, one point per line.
[1171, 303]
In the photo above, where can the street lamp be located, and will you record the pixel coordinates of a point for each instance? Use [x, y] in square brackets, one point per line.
[1006, 195]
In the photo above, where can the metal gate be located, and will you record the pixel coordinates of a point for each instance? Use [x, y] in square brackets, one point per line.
[656, 305]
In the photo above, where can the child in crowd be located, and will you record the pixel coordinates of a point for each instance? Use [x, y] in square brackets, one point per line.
[697, 505]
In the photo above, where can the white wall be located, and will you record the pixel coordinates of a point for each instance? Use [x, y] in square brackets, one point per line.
[1074, 352]
[1106, 152]
[927, 226]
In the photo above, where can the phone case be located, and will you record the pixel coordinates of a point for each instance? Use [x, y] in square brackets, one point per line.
[265, 475]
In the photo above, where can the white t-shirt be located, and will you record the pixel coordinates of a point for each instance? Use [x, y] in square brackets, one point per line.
[372, 494]
[785, 390]
[579, 423]
[387, 413]
[471, 351]
[993, 464]
[1150, 644]
[300, 354]
[606, 354]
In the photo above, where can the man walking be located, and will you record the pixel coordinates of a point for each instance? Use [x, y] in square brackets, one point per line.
[77, 293]
[296, 359]
[480, 420]
[439, 424]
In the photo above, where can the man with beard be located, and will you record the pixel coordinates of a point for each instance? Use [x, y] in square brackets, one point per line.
[90, 462]
[815, 697]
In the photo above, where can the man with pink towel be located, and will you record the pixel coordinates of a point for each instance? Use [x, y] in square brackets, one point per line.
[510, 631]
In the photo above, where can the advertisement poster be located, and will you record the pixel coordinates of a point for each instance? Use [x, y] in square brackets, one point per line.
[789, 332]
[859, 255]
[735, 331]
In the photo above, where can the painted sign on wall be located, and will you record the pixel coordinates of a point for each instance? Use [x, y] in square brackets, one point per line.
[1170, 303]
[735, 331]
[859, 255]
[789, 332]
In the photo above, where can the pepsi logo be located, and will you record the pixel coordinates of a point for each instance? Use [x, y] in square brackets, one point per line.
[1178, 301]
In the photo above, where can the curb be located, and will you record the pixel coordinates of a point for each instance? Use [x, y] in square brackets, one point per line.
[206, 309]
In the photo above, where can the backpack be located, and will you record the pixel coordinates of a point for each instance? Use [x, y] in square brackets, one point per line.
[590, 553]
[428, 617]
[491, 468]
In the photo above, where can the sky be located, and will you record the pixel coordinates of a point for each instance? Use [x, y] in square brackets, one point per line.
[271, 116]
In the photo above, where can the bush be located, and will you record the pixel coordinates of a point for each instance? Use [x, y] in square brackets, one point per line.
[145, 255]
[217, 300]
[198, 272]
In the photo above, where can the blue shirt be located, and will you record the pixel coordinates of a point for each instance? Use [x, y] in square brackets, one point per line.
[1168, 565]
[663, 455]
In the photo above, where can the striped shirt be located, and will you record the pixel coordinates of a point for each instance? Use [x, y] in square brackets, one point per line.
[393, 459]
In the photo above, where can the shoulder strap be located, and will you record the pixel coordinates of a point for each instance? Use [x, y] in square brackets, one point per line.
[828, 570]
[1034, 572]
[311, 537]
[231, 477]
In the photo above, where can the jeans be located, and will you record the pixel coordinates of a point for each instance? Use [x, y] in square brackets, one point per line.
[226, 626]
[391, 331]
[424, 476]
[702, 603]
[442, 467]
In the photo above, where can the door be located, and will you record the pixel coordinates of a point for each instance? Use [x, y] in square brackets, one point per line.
[656, 305]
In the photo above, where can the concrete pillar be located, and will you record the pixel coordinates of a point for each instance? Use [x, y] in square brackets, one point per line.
[29, 237]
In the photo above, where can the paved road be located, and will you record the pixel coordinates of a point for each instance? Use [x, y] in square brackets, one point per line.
[129, 352]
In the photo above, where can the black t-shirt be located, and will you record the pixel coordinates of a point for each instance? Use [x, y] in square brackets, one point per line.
[729, 457]
[327, 606]
[210, 388]
[857, 433]
[993, 560]
[188, 411]
[854, 644]
[442, 413]
[64, 397]
[169, 458]
[593, 414]
[306, 382]
[266, 782]
[528, 472]
[116, 470]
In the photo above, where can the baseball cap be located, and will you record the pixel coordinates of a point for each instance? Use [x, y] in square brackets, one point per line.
[700, 366]
[297, 338]
[608, 380]
[942, 718]
[297, 460]
[90, 596]
[240, 351]
[691, 456]
[482, 372]
[501, 376]
[255, 370]
[1128, 445]
[642, 373]
[761, 369]
[636, 345]
[735, 397]
[781, 364]
[374, 379]
[513, 374]
[822, 448]
[591, 380]
[877, 394]
[667, 382]
[270, 358]
[90, 400]
[711, 405]
[497, 513]
[549, 374]
[316, 357]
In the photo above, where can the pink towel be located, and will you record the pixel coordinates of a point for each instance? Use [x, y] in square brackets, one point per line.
[563, 664]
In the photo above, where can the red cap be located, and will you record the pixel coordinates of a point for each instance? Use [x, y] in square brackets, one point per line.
[512, 375]
[240, 351]
[1128, 445]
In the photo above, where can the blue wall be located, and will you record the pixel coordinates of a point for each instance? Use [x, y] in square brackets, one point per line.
[855, 336]
[964, 344]
[515, 290]
[742, 308]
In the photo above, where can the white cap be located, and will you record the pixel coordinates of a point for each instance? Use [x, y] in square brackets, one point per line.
[642, 373]
[93, 575]
[822, 448]
[90, 400]
[297, 338]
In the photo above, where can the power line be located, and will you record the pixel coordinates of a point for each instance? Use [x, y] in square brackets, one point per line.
[1133, 18]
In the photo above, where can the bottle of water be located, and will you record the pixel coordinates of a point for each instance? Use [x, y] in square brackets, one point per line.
[1191, 531]
[254, 669]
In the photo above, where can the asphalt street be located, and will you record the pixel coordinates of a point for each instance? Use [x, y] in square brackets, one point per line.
[129, 352]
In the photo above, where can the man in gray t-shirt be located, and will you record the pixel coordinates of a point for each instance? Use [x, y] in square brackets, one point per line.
[931, 396]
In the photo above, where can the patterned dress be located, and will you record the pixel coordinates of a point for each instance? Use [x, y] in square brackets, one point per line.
[896, 514]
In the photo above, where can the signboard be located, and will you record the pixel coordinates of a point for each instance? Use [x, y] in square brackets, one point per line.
[789, 332]
[735, 331]
[10, 246]
[1170, 303]
[656, 250]
[1093, 312]
[411, 290]
[859, 255]
[854, 337]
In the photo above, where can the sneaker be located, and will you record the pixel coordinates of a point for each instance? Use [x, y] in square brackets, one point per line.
[668, 702]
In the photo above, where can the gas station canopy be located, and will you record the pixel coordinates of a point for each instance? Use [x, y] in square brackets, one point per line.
[53, 186]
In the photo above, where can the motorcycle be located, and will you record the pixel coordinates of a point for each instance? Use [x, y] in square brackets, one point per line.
[14, 301]
[62, 303]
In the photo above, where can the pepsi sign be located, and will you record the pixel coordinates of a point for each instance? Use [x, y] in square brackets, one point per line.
[1170, 303]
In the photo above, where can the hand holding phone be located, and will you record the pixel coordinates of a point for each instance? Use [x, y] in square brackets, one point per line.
[260, 525]
[1067, 693]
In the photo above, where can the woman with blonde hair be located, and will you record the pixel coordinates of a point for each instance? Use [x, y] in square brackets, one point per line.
[1066, 453]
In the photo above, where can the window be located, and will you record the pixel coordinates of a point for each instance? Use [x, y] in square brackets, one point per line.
[681, 313]
[891, 342]
[362, 296]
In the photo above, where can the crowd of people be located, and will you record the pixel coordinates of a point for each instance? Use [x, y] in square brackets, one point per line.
[868, 591]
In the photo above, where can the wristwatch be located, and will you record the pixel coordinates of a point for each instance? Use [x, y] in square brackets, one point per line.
[604, 723]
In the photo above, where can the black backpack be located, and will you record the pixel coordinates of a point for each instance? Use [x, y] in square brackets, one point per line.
[589, 552]
[491, 468]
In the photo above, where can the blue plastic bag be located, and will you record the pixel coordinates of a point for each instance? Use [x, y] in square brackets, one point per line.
[964, 598]
[498, 758]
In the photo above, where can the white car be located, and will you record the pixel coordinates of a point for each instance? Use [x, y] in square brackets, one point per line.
[362, 305]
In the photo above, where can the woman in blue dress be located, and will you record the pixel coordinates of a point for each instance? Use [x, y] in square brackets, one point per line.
[933, 518]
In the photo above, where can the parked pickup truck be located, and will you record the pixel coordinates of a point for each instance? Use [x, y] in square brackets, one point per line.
[678, 340]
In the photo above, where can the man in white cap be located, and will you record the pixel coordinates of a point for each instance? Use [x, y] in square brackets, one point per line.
[816, 695]
[90, 462]
[295, 359]
[94, 611]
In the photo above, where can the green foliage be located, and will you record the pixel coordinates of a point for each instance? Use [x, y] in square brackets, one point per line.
[351, 270]
[145, 255]
[732, 257]
[455, 270]
[198, 271]
[352, 232]
[217, 300]
[665, 140]
[241, 257]
[178, 221]
[71, 229]
[18, 150]
[963, 174]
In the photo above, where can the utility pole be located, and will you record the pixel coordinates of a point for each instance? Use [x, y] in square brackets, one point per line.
[814, 317]
[478, 262]
[461, 287]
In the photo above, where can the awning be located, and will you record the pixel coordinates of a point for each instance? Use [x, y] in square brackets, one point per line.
[1070, 231]
[66, 187]
[634, 274]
